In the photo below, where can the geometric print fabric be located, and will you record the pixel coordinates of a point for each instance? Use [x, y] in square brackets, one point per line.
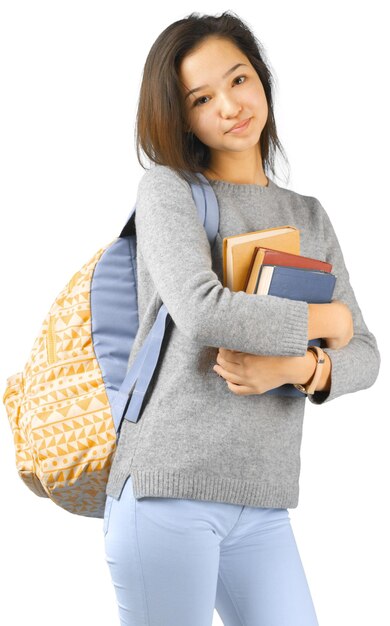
[58, 408]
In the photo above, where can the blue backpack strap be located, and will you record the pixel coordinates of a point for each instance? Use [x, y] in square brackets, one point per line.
[207, 205]
[137, 379]
[140, 373]
[204, 196]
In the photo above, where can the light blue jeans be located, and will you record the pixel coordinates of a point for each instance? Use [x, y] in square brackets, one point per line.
[172, 561]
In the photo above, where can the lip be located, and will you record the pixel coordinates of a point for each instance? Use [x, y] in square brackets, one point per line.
[240, 126]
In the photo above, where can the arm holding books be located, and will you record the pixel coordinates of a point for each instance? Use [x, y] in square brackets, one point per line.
[351, 351]
[334, 323]
[248, 374]
[176, 252]
[355, 366]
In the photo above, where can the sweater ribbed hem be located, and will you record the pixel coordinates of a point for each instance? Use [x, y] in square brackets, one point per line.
[161, 483]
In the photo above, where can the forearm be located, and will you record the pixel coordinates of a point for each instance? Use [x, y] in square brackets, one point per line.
[320, 321]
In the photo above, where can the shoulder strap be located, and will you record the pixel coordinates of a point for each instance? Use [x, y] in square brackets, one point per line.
[207, 205]
[130, 396]
[204, 197]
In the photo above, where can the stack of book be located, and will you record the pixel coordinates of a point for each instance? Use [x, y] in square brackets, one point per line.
[268, 262]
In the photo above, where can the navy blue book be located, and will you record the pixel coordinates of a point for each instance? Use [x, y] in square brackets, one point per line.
[295, 283]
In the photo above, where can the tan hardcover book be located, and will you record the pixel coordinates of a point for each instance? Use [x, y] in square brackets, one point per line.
[254, 269]
[237, 251]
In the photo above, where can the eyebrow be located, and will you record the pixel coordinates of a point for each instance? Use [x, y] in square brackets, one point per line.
[224, 76]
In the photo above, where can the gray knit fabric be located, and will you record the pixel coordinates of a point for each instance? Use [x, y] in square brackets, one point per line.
[195, 438]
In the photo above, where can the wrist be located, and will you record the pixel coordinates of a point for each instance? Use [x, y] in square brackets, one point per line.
[325, 381]
[302, 368]
[305, 370]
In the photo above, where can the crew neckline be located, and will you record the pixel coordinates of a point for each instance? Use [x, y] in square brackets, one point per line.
[225, 184]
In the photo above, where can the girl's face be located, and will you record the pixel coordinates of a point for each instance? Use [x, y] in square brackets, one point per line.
[225, 96]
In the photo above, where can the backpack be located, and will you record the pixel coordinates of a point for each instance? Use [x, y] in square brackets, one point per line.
[66, 407]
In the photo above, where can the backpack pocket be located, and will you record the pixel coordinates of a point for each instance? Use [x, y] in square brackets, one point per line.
[13, 396]
[13, 400]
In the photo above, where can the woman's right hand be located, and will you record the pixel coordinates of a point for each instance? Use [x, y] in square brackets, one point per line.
[341, 323]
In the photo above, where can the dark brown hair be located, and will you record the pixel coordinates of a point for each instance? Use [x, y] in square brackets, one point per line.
[161, 117]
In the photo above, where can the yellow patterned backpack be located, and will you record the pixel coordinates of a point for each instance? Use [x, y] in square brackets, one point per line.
[66, 407]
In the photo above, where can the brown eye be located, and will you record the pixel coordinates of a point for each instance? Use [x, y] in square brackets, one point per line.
[198, 100]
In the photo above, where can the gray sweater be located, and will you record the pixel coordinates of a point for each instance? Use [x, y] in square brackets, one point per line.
[195, 438]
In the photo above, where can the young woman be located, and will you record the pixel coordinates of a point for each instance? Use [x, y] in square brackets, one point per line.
[196, 515]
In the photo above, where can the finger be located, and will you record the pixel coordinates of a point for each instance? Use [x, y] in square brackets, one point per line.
[226, 354]
[227, 359]
[227, 351]
[227, 375]
[240, 390]
[235, 385]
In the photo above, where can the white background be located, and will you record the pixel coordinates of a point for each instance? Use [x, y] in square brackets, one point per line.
[70, 75]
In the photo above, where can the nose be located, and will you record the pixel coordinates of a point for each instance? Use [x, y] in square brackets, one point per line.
[229, 107]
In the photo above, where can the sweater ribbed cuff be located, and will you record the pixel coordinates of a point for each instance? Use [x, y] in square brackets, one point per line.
[339, 378]
[294, 340]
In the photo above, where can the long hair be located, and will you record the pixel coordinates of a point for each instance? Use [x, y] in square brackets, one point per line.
[161, 123]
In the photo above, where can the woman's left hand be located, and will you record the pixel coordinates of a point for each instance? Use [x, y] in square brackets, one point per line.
[248, 374]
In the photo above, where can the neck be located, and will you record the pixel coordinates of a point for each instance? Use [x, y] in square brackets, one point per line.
[237, 167]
